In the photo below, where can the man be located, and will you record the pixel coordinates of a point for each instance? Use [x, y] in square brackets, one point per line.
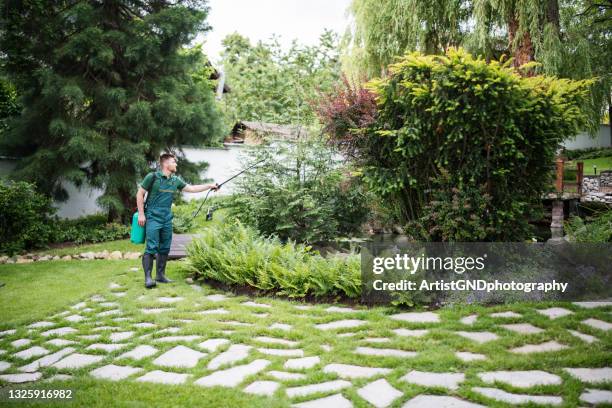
[157, 216]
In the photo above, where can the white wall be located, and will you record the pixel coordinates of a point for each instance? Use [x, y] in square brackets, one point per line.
[583, 140]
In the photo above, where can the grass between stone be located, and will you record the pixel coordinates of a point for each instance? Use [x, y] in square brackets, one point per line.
[36, 291]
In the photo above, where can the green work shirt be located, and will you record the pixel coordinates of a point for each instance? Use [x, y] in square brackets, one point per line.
[153, 187]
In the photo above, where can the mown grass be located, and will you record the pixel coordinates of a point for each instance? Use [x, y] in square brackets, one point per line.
[37, 291]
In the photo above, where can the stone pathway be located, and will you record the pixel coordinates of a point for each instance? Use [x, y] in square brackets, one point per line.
[356, 359]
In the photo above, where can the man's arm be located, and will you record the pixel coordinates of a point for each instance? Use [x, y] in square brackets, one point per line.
[140, 204]
[198, 188]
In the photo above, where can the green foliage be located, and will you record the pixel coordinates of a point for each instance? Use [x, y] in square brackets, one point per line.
[89, 229]
[24, 219]
[9, 107]
[459, 121]
[235, 254]
[299, 193]
[595, 229]
[105, 88]
[588, 153]
[270, 84]
[182, 219]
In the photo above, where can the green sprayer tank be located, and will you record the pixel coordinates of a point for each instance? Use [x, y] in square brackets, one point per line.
[137, 235]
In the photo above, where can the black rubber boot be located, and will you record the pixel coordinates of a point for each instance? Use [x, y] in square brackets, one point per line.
[147, 265]
[161, 268]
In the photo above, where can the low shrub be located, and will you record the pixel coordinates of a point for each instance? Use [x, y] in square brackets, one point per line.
[235, 254]
[596, 229]
[88, 229]
[24, 219]
[588, 153]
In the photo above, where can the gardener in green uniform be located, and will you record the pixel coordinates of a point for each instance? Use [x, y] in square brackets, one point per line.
[156, 214]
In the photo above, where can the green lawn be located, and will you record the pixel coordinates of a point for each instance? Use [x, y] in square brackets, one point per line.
[37, 291]
[602, 163]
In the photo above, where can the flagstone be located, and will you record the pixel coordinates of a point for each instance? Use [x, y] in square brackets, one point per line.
[109, 312]
[172, 339]
[335, 401]
[79, 305]
[508, 314]
[114, 372]
[337, 309]
[35, 351]
[340, 324]
[467, 356]
[4, 365]
[384, 352]
[262, 387]
[469, 320]
[304, 307]
[286, 376]
[235, 353]
[554, 312]
[510, 398]
[347, 334]
[105, 347]
[140, 352]
[196, 287]
[522, 328]
[108, 304]
[326, 386]
[539, 348]
[120, 336]
[179, 356]
[166, 299]
[213, 344]
[410, 333]
[120, 294]
[2, 351]
[41, 324]
[20, 343]
[439, 401]
[417, 317]
[120, 319]
[594, 304]
[478, 337]
[261, 315]
[163, 377]
[254, 304]
[281, 326]
[596, 397]
[155, 310]
[104, 328]
[214, 311]
[379, 393]
[216, 297]
[598, 324]
[144, 325]
[584, 337]
[430, 379]
[21, 378]
[77, 360]
[591, 375]
[231, 377]
[114, 285]
[60, 331]
[348, 371]
[170, 330]
[282, 352]
[47, 360]
[302, 363]
[274, 340]
[8, 332]
[521, 379]
[60, 342]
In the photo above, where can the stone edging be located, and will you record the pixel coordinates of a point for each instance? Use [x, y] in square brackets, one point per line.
[83, 255]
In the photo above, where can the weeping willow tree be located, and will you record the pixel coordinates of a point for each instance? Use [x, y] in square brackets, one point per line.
[565, 38]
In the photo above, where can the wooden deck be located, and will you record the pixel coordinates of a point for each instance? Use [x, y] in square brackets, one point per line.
[179, 242]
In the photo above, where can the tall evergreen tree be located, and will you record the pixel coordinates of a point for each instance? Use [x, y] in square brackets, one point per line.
[106, 86]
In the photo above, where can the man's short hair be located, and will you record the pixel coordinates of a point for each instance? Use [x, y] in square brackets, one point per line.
[165, 156]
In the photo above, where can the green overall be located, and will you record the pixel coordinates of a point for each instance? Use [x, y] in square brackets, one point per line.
[158, 212]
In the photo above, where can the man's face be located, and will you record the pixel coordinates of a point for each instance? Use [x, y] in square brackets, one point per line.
[170, 164]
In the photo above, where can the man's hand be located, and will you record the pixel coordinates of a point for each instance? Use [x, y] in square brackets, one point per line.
[141, 219]
[215, 187]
